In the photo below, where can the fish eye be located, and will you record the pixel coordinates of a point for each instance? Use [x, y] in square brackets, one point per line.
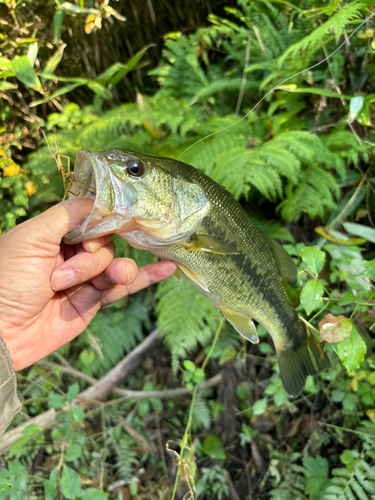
[135, 168]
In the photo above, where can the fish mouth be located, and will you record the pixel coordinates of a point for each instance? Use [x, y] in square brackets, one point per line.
[92, 179]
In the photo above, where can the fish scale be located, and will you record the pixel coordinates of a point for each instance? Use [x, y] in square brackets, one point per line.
[178, 213]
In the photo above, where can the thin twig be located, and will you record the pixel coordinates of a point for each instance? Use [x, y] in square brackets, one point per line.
[244, 76]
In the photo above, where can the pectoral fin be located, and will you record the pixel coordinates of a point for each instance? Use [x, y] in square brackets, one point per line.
[211, 244]
[193, 277]
[243, 324]
[285, 265]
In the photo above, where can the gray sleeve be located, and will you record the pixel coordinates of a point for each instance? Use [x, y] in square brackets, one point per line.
[9, 402]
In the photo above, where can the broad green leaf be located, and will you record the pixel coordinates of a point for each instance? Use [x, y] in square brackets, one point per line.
[24, 72]
[56, 401]
[346, 298]
[311, 296]
[316, 473]
[313, 258]
[189, 365]
[73, 452]
[368, 233]
[352, 351]
[50, 485]
[260, 406]
[70, 483]
[64, 90]
[31, 429]
[94, 494]
[213, 447]
[335, 329]
[73, 390]
[356, 104]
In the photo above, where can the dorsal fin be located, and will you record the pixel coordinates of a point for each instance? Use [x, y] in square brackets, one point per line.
[285, 265]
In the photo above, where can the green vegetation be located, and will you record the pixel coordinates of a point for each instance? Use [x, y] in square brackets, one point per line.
[302, 165]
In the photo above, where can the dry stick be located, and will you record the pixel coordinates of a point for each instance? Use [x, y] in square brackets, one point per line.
[47, 418]
[244, 76]
[129, 394]
[97, 391]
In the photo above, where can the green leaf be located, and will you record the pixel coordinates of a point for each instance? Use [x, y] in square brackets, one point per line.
[94, 494]
[56, 401]
[64, 90]
[73, 390]
[370, 272]
[352, 351]
[54, 61]
[189, 365]
[32, 52]
[313, 258]
[260, 406]
[308, 90]
[213, 447]
[31, 429]
[316, 473]
[335, 329]
[18, 448]
[346, 298]
[311, 296]
[7, 86]
[117, 71]
[50, 485]
[76, 9]
[70, 483]
[57, 23]
[25, 73]
[368, 233]
[356, 104]
[73, 452]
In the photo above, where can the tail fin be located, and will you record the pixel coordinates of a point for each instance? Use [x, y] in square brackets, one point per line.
[295, 365]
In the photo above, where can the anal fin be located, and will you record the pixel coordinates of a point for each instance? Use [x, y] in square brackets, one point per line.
[243, 324]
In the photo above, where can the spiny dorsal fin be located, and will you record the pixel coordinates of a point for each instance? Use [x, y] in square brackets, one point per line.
[243, 324]
[211, 244]
[285, 265]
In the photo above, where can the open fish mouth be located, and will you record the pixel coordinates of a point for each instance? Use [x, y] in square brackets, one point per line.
[92, 179]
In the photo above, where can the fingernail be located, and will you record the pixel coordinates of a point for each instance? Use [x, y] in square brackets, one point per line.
[63, 279]
[93, 246]
[131, 273]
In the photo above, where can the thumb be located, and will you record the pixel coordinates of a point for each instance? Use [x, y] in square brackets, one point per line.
[55, 222]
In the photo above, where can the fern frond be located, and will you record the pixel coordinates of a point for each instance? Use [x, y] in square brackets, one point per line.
[201, 414]
[183, 328]
[117, 334]
[126, 458]
[332, 28]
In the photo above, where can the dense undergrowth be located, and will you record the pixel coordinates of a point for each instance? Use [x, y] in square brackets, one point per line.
[302, 165]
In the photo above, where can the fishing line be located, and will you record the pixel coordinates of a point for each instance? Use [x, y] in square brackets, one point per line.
[278, 85]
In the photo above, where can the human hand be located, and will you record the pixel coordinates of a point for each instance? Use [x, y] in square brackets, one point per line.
[49, 291]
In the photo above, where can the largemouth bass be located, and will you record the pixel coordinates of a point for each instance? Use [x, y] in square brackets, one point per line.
[176, 212]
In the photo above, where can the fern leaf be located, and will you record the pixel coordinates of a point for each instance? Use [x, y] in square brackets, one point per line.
[184, 328]
[126, 458]
[333, 27]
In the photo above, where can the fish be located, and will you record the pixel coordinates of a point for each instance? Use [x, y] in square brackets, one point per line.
[178, 213]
